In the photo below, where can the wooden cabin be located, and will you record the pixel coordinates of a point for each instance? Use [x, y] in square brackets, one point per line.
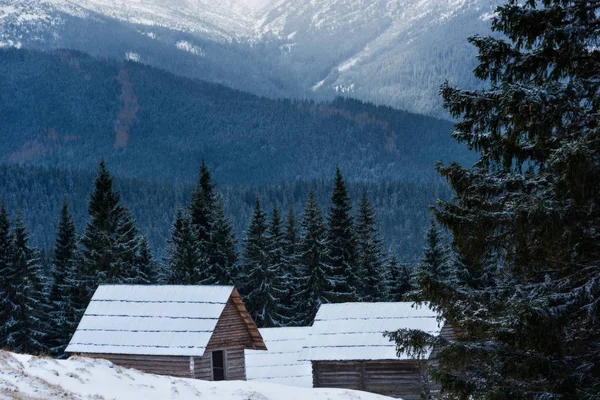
[196, 332]
[280, 363]
[347, 348]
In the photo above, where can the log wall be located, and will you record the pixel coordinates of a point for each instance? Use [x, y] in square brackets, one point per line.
[387, 377]
[396, 378]
[161, 365]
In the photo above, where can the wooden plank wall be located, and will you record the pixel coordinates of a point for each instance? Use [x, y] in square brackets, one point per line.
[386, 377]
[162, 365]
[235, 362]
[236, 365]
[203, 367]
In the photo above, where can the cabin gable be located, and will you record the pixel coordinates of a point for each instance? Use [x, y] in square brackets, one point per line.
[235, 328]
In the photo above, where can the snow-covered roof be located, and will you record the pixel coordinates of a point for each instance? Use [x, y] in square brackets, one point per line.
[150, 320]
[354, 331]
[280, 363]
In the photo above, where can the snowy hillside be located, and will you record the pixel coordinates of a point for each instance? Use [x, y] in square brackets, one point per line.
[27, 377]
[386, 51]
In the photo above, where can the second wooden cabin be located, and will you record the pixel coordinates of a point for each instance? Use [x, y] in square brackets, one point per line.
[196, 332]
[347, 348]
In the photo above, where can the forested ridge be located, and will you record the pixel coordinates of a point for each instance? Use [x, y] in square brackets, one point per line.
[152, 125]
[402, 207]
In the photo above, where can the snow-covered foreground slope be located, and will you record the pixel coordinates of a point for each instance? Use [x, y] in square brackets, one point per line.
[27, 377]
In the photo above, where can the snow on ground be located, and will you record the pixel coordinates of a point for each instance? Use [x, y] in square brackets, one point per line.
[28, 377]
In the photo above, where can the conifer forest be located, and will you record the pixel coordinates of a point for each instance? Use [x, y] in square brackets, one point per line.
[260, 145]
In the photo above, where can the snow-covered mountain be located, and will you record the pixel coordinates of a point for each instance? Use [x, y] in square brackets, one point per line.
[393, 52]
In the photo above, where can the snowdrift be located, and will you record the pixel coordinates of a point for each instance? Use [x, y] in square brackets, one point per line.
[28, 377]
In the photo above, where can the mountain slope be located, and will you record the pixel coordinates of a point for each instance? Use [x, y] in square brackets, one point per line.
[386, 51]
[152, 125]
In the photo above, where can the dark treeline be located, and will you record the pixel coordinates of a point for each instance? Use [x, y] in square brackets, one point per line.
[289, 264]
[401, 207]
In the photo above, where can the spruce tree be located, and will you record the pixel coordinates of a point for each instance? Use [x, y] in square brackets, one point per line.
[202, 211]
[109, 242]
[370, 263]
[222, 260]
[316, 278]
[184, 255]
[147, 273]
[399, 280]
[341, 243]
[289, 270]
[261, 283]
[524, 219]
[27, 326]
[6, 272]
[435, 269]
[280, 281]
[63, 318]
[80, 285]
[127, 249]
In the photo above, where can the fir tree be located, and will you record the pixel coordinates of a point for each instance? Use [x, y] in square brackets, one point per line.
[63, 318]
[184, 255]
[261, 279]
[524, 219]
[6, 272]
[27, 326]
[370, 264]
[399, 280]
[222, 261]
[341, 242]
[316, 278]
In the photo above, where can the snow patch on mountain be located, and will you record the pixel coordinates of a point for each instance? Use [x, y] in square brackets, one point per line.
[190, 48]
[132, 56]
